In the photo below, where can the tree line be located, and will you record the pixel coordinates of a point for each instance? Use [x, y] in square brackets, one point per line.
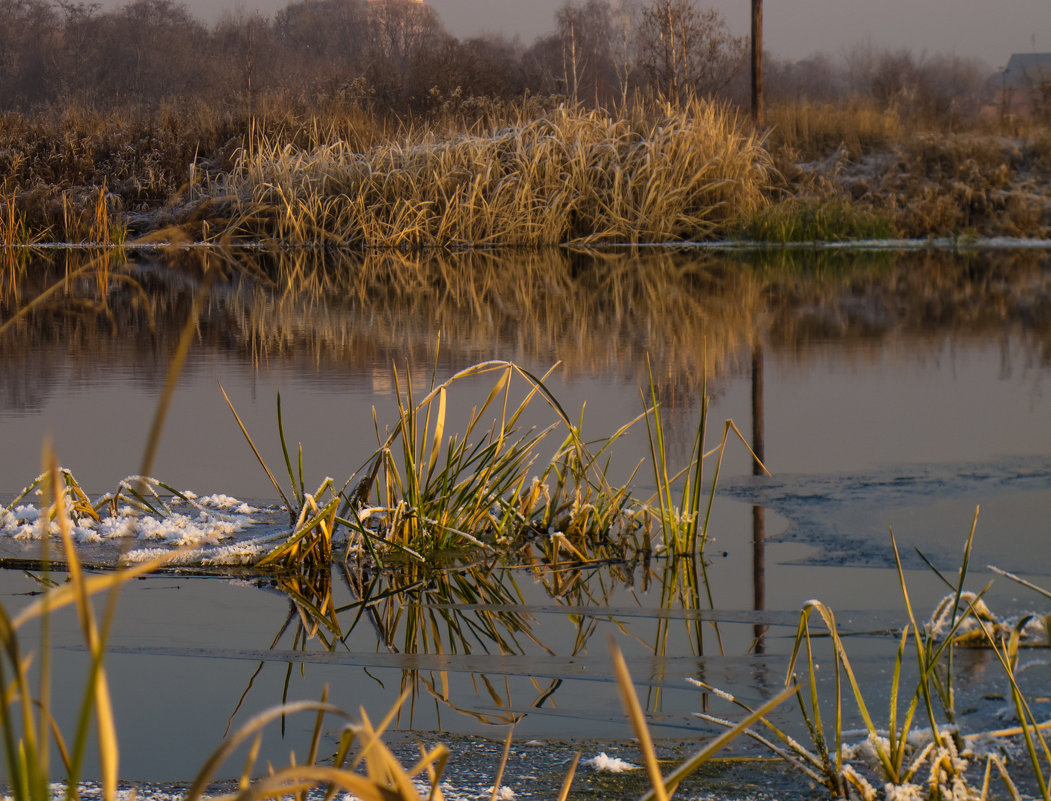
[395, 55]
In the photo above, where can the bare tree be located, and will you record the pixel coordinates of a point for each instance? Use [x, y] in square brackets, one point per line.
[686, 50]
[584, 33]
[242, 40]
[624, 44]
[155, 49]
[28, 45]
[403, 37]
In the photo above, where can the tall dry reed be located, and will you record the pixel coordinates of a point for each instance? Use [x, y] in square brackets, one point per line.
[570, 175]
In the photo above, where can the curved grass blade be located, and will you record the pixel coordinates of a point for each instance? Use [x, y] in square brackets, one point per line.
[292, 510]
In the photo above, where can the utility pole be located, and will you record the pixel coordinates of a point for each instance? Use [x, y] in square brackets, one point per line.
[757, 61]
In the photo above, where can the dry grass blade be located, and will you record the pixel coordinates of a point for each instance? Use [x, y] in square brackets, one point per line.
[299, 779]
[503, 764]
[567, 783]
[688, 767]
[1020, 580]
[638, 722]
[250, 730]
[663, 788]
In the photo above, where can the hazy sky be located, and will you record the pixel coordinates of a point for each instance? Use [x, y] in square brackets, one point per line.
[986, 29]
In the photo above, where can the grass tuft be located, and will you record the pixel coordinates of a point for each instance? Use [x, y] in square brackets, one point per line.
[816, 220]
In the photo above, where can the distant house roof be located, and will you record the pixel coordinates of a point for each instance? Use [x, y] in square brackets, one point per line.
[1027, 71]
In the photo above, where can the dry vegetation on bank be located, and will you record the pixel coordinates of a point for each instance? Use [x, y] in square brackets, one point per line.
[569, 175]
[529, 173]
[354, 123]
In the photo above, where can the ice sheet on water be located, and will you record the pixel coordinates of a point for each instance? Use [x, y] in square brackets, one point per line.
[210, 530]
[847, 514]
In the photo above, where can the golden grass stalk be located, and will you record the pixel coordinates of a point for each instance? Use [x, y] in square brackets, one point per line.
[664, 787]
[812, 130]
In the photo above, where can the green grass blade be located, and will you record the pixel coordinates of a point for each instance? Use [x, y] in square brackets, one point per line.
[292, 510]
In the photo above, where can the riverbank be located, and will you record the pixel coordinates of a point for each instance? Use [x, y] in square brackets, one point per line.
[533, 173]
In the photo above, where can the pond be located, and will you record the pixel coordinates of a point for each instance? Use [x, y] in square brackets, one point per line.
[898, 390]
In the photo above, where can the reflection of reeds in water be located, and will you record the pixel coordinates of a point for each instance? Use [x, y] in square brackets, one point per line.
[605, 313]
[68, 284]
[596, 313]
[418, 609]
[592, 312]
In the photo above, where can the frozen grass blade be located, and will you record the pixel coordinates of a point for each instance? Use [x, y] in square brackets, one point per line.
[1020, 580]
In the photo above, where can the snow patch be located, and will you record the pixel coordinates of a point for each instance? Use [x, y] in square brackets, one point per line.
[607, 764]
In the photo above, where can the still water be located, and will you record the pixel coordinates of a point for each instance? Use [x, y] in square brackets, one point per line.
[892, 390]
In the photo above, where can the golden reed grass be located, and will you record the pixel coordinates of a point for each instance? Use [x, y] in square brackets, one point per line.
[570, 175]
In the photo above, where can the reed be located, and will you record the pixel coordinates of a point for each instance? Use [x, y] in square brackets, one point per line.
[13, 227]
[424, 491]
[684, 529]
[492, 488]
[815, 130]
[570, 175]
[28, 727]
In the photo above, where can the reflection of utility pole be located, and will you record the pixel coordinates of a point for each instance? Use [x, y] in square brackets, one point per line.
[758, 513]
[757, 61]
[757, 409]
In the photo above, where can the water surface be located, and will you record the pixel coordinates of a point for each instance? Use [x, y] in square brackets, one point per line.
[898, 391]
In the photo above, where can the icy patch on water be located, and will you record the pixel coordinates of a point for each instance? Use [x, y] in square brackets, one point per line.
[847, 515]
[209, 530]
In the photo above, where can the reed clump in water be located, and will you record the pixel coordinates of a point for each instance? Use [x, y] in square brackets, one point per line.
[495, 487]
[569, 175]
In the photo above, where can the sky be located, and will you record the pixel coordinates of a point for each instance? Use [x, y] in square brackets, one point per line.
[990, 30]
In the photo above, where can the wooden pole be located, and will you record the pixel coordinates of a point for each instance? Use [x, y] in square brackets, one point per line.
[757, 61]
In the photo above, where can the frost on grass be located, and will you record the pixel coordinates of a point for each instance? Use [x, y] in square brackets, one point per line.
[206, 530]
[976, 622]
